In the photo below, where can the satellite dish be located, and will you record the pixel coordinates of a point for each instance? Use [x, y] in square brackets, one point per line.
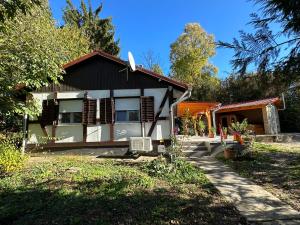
[131, 61]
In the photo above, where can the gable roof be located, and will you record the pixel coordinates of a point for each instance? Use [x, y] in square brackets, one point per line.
[122, 62]
[249, 104]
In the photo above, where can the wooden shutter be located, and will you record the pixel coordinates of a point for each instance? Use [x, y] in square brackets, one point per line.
[89, 111]
[106, 110]
[49, 112]
[147, 108]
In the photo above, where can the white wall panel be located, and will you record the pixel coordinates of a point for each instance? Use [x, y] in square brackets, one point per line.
[69, 133]
[98, 133]
[123, 131]
[126, 92]
[161, 130]
[158, 94]
[36, 134]
[70, 94]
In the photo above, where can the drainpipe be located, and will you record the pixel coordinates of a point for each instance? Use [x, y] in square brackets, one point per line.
[24, 133]
[183, 97]
[214, 117]
[283, 101]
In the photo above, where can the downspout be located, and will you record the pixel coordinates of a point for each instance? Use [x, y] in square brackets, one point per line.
[25, 121]
[214, 116]
[283, 102]
[183, 97]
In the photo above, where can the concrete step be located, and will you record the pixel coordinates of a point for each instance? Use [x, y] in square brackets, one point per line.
[196, 154]
[194, 148]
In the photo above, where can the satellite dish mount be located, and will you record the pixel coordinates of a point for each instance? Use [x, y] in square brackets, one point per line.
[130, 65]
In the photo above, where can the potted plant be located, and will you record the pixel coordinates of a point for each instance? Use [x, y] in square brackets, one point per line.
[201, 127]
[229, 153]
[239, 129]
[225, 132]
[212, 132]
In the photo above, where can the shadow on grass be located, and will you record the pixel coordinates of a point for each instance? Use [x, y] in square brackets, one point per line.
[99, 202]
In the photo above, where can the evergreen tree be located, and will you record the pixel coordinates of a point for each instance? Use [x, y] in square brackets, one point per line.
[99, 31]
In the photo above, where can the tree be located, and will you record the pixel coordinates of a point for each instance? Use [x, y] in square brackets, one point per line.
[272, 52]
[99, 31]
[189, 58]
[152, 62]
[32, 52]
[9, 9]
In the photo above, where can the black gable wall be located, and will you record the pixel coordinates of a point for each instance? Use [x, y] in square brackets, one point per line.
[98, 73]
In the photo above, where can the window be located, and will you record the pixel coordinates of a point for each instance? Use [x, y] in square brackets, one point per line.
[127, 110]
[128, 115]
[70, 111]
[70, 117]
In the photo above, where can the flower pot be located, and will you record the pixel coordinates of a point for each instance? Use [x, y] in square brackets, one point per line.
[235, 137]
[229, 154]
[225, 136]
[211, 135]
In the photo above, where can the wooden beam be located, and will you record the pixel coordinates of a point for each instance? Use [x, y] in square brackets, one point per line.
[162, 104]
[111, 125]
[242, 108]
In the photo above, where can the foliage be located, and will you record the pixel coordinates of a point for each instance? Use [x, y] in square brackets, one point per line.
[212, 130]
[240, 127]
[178, 171]
[175, 148]
[189, 58]
[187, 123]
[273, 53]
[99, 31]
[290, 117]
[152, 62]
[9, 9]
[201, 126]
[72, 190]
[225, 130]
[32, 53]
[11, 159]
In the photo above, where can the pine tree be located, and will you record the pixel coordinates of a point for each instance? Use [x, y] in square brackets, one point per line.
[99, 31]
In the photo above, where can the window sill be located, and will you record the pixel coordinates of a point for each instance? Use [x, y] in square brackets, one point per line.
[127, 122]
[68, 124]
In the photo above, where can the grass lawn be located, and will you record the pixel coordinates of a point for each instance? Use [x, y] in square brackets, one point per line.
[276, 167]
[77, 190]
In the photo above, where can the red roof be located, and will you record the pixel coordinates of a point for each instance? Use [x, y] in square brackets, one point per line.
[118, 60]
[258, 103]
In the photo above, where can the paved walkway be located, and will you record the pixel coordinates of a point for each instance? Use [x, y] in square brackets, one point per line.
[255, 203]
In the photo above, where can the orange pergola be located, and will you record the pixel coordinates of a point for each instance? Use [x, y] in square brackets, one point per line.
[196, 109]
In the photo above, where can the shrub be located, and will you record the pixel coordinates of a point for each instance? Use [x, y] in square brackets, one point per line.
[11, 159]
[178, 171]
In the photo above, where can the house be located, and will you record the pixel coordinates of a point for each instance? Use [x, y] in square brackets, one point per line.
[100, 102]
[262, 115]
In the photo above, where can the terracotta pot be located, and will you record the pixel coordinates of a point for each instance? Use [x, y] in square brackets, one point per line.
[229, 154]
[225, 136]
[211, 135]
[235, 136]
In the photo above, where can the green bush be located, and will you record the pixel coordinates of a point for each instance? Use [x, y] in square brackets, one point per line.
[178, 171]
[11, 159]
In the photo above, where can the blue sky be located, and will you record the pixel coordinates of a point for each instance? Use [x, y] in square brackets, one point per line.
[155, 24]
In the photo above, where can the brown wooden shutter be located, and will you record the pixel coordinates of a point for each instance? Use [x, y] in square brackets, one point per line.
[147, 108]
[49, 112]
[106, 110]
[89, 111]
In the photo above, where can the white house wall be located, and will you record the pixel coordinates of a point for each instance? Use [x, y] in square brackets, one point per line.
[127, 92]
[123, 131]
[161, 130]
[66, 133]
[36, 134]
[69, 133]
[158, 94]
